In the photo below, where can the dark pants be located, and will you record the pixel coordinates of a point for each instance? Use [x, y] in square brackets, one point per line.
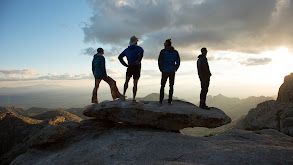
[113, 87]
[165, 76]
[204, 82]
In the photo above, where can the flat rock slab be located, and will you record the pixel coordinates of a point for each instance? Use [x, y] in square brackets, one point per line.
[148, 113]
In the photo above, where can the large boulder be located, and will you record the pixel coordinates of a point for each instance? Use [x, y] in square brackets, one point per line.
[168, 117]
[285, 94]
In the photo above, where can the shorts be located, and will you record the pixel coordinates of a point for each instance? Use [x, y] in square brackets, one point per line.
[134, 71]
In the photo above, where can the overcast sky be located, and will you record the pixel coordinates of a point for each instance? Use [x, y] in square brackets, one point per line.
[249, 42]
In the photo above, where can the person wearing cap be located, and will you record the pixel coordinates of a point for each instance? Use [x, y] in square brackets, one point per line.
[99, 72]
[169, 62]
[204, 74]
[133, 54]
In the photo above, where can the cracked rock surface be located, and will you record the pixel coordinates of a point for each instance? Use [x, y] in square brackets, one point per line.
[99, 142]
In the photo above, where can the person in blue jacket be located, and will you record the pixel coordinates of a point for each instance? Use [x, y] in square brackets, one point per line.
[99, 72]
[169, 62]
[204, 75]
[133, 54]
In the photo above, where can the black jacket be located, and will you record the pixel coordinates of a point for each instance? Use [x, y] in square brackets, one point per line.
[203, 68]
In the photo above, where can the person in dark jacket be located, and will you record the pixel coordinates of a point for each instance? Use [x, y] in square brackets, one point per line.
[169, 62]
[134, 56]
[99, 72]
[204, 76]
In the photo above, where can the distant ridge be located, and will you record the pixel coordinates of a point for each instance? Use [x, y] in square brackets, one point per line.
[156, 97]
[49, 115]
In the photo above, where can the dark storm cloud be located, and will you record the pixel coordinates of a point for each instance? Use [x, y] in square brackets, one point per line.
[246, 26]
[256, 61]
[114, 20]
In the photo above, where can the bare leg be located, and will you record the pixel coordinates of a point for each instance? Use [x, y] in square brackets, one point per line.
[126, 85]
[135, 81]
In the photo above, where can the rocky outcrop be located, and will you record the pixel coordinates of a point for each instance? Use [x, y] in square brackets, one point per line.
[99, 142]
[274, 114]
[14, 110]
[16, 132]
[168, 117]
[285, 94]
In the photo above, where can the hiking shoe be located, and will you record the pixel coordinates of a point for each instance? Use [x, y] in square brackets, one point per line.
[170, 102]
[205, 107]
[95, 101]
[160, 103]
[123, 97]
[135, 101]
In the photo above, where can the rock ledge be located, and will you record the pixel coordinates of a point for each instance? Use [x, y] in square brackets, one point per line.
[148, 113]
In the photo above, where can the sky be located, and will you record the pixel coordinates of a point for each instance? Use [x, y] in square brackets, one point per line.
[52, 42]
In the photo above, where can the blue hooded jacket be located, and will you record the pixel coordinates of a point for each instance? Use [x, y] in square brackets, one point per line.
[98, 66]
[169, 60]
[133, 54]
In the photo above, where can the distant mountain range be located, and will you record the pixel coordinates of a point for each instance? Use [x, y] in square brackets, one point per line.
[235, 107]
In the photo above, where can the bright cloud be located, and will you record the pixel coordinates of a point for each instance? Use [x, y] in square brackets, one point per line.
[256, 61]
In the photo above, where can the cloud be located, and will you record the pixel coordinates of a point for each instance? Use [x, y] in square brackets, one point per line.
[89, 51]
[66, 76]
[256, 61]
[224, 25]
[19, 72]
[28, 75]
[113, 51]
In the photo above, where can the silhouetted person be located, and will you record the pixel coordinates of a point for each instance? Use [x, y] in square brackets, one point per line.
[134, 56]
[169, 62]
[99, 72]
[204, 76]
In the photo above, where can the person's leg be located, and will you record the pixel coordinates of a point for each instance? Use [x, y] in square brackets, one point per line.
[113, 87]
[171, 84]
[136, 76]
[95, 90]
[126, 85]
[204, 90]
[128, 76]
[163, 83]
[135, 82]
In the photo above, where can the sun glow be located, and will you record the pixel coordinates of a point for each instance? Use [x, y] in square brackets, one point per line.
[280, 66]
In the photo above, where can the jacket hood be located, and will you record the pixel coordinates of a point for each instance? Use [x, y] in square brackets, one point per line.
[132, 47]
[97, 55]
[201, 56]
[170, 49]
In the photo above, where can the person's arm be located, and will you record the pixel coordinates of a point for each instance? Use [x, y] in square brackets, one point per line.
[93, 67]
[140, 54]
[205, 67]
[177, 61]
[208, 69]
[160, 61]
[120, 57]
[103, 66]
